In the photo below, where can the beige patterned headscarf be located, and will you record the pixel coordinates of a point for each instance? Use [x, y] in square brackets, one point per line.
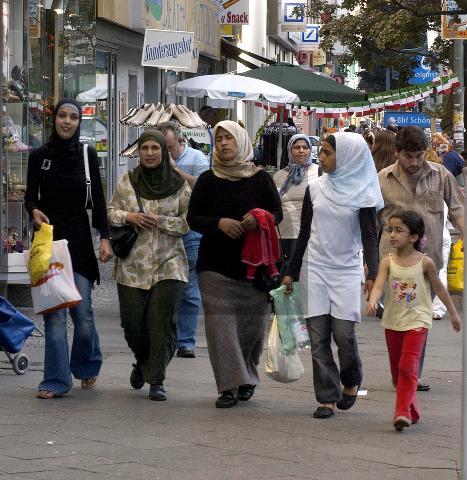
[241, 166]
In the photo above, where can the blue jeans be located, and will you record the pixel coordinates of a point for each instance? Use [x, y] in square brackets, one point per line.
[86, 357]
[188, 317]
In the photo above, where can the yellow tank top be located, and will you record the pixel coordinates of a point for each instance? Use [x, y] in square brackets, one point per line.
[407, 301]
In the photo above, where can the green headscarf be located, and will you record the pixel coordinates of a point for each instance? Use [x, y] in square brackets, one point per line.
[160, 182]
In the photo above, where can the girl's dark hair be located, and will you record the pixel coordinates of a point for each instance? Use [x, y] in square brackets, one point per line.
[414, 222]
[331, 139]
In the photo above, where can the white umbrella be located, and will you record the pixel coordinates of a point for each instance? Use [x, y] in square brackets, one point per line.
[231, 87]
[92, 95]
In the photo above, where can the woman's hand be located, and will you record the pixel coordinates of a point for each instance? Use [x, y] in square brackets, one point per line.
[288, 282]
[39, 217]
[232, 228]
[368, 287]
[249, 222]
[456, 323]
[105, 251]
[145, 221]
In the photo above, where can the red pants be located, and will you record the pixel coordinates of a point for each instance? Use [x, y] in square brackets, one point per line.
[405, 349]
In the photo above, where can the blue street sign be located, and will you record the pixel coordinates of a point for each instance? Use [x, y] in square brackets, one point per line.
[406, 119]
[423, 72]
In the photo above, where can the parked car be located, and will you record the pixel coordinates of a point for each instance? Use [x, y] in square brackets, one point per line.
[314, 144]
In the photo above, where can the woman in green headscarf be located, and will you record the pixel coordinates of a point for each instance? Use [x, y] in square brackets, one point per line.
[150, 280]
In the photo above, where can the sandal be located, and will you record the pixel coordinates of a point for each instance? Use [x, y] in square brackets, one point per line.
[88, 383]
[46, 395]
[347, 400]
[323, 412]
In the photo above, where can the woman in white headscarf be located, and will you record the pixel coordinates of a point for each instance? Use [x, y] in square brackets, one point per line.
[235, 311]
[338, 216]
[291, 182]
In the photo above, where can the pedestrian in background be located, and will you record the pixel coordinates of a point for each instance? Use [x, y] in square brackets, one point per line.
[338, 215]
[235, 311]
[414, 184]
[408, 274]
[189, 163]
[151, 279]
[57, 194]
[292, 182]
[384, 149]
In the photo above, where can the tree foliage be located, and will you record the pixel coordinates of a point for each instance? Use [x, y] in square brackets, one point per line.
[382, 33]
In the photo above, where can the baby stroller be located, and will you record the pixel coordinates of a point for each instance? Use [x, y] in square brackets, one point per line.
[15, 328]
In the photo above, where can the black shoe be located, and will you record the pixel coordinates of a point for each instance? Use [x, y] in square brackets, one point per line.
[226, 399]
[136, 377]
[245, 392]
[323, 412]
[185, 353]
[423, 387]
[347, 400]
[157, 393]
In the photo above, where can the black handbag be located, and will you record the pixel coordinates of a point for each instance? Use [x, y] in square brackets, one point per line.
[123, 238]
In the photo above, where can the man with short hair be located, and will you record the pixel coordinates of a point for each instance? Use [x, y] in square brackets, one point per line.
[189, 163]
[412, 183]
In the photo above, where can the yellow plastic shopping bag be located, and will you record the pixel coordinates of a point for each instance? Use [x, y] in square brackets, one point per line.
[456, 268]
[41, 252]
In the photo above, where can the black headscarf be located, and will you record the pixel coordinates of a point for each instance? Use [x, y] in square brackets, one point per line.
[160, 182]
[56, 146]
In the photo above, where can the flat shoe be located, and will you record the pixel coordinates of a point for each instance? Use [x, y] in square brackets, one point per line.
[226, 399]
[400, 423]
[89, 383]
[323, 412]
[136, 377]
[423, 387]
[46, 395]
[185, 353]
[245, 392]
[157, 393]
[347, 400]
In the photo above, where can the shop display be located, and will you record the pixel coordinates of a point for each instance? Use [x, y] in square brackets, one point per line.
[150, 115]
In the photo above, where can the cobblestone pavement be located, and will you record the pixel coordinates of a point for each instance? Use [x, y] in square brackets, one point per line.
[116, 432]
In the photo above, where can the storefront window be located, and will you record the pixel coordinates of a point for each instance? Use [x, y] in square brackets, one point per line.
[48, 52]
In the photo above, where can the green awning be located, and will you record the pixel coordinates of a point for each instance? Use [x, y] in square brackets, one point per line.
[309, 86]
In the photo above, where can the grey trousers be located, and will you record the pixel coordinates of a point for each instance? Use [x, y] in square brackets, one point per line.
[326, 376]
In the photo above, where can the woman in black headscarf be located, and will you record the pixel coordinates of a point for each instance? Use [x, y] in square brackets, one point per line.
[151, 279]
[57, 194]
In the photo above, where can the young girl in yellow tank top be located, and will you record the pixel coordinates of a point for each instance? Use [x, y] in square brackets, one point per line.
[408, 275]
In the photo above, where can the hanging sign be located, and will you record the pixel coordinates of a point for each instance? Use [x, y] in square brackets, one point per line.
[168, 49]
[453, 25]
[318, 57]
[308, 39]
[234, 12]
[291, 22]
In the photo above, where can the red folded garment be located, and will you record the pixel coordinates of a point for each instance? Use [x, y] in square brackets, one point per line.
[261, 246]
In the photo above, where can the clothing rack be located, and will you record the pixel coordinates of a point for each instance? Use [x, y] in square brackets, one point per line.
[269, 141]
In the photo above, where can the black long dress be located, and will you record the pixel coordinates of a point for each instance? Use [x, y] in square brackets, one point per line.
[56, 186]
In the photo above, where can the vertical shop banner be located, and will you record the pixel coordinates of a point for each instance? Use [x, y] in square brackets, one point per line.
[234, 12]
[453, 24]
[168, 49]
[290, 21]
[34, 19]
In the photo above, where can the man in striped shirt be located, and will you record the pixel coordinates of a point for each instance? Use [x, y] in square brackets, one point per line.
[412, 183]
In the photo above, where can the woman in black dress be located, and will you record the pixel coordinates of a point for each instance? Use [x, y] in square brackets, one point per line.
[57, 194]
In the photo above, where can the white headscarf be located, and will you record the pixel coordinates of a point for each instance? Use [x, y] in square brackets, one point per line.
[241, 166]
[354, 182]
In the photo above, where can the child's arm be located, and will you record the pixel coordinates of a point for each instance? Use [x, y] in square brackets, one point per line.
[383, 271]
[429, 270]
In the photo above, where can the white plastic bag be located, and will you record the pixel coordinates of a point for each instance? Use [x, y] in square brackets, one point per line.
[280, 366]
[56, 288]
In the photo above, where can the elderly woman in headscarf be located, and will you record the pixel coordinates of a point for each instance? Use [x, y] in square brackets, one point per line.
[151, 279]
[291, 183]
[338, 216]
[57, 194]
[235, 311]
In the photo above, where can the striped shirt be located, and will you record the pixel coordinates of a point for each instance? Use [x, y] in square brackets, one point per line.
[435, 186]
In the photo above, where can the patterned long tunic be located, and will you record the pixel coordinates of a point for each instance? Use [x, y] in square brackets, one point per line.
[158, 254]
